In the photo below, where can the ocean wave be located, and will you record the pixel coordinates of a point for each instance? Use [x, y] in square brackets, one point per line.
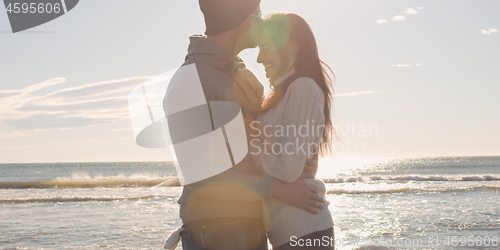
[140, 181]
[72, 199]
[110, 182]
[414, 190]
[413, 178]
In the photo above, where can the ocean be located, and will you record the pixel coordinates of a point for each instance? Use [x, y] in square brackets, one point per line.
[376, 203]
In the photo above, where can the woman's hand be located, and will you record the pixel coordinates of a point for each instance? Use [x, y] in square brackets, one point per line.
[298, 194]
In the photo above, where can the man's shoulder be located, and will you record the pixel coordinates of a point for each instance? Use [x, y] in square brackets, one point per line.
[205, 71]
[212, 80]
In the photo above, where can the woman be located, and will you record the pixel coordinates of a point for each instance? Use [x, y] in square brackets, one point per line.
[301, 98]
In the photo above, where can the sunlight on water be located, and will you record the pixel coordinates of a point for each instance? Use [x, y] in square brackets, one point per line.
[121, 205]
[332, 167]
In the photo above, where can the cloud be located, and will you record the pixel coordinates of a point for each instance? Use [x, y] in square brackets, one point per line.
[91, 141]
[419, 64]
[401, 65]
[7, 93]
[359, 93]
[14, 147]
[17, 94]
[399, 18]
[488, 32]
[12, 134]
[122, 129]
[99, 88]
[89, 104]
[410, 11]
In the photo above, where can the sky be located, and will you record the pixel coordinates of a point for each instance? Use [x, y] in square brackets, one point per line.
[413, 78]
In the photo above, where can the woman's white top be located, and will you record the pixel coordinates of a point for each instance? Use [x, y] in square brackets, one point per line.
[302, 106]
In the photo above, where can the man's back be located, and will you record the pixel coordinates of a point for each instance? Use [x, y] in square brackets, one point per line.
[218, 197]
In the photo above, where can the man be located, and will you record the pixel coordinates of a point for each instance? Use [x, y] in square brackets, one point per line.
[225, 210]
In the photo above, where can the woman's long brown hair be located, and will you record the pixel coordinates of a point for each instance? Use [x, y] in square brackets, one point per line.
[287, 27]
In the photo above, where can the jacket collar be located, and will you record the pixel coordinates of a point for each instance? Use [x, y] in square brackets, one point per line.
[211, 53]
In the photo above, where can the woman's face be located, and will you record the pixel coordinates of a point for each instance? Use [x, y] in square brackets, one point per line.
[269, 56]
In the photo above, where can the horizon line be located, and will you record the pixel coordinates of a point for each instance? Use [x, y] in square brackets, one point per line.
[403, 157]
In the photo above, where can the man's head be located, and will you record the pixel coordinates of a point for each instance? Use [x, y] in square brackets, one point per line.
[242, 18]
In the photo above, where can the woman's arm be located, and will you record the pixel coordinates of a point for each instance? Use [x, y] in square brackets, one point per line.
[303, 125]
[235, 186]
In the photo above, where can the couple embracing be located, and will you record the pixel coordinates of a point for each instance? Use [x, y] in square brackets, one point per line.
[272, 193]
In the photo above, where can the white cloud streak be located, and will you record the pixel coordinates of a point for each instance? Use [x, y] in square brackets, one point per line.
[93, 103]
[401, 65]
[14, 147]
[12, 134]
[122, 129]
[359, 93]
[488, 32]
[410, 11]
[399, 18]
